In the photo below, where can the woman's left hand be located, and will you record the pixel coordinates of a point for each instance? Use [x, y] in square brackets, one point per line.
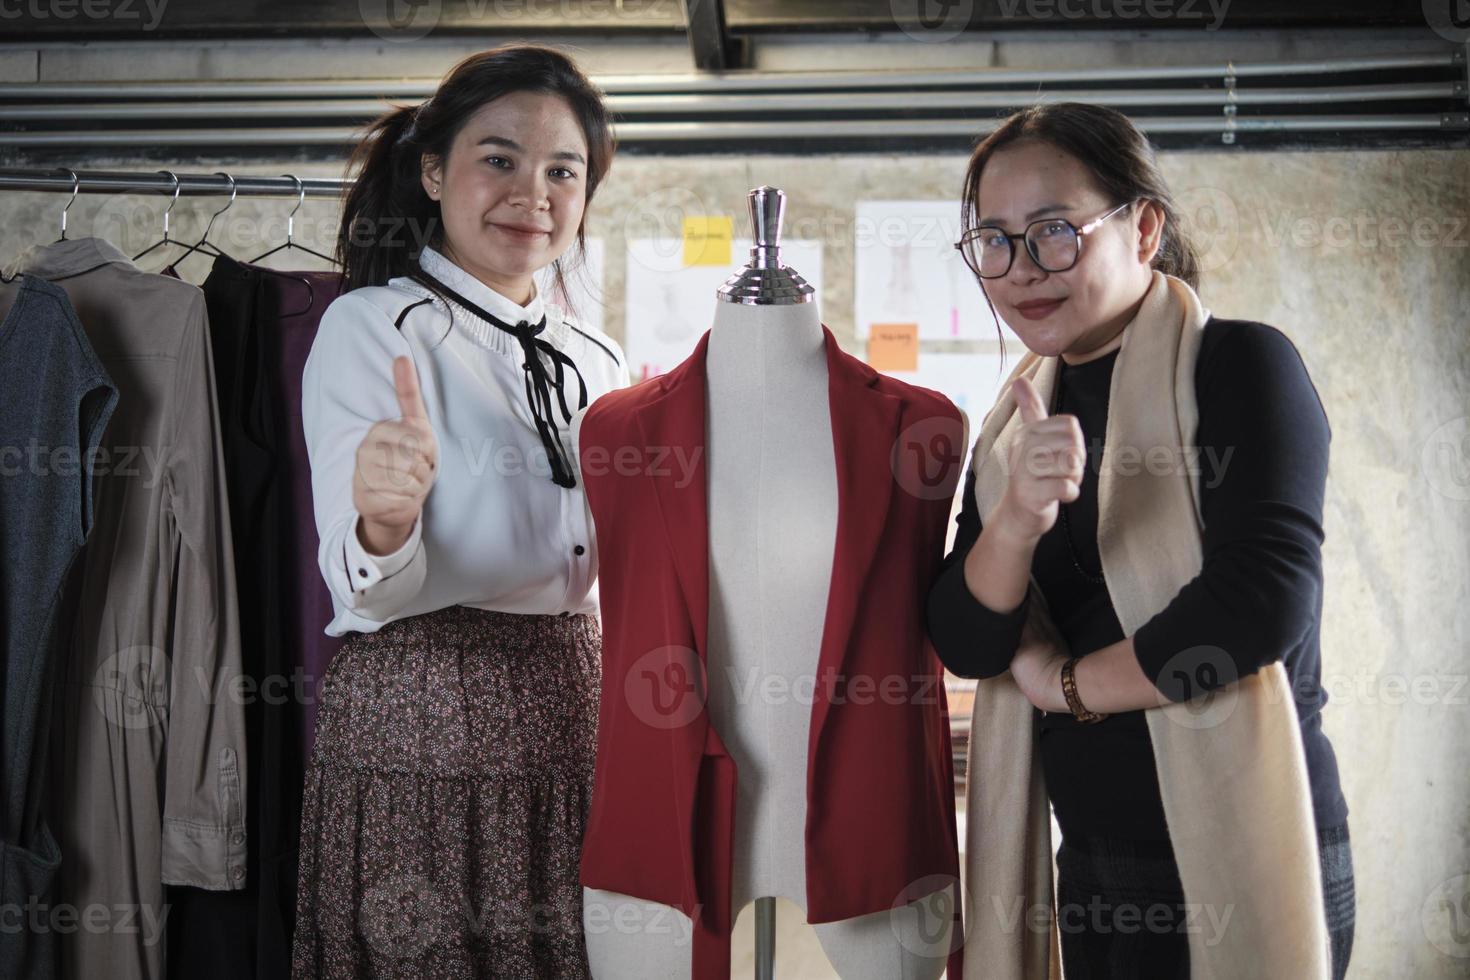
[1039, 675]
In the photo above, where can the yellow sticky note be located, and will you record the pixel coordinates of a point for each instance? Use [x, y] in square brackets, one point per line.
[707, 239]
[894, 346]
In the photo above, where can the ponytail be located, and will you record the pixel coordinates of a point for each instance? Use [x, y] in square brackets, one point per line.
[386, 216]
[1176, 256]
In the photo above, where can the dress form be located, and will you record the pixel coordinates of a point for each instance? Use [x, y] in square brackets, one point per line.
[772, 506]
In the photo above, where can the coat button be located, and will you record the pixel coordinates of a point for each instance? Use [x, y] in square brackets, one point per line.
[237, 838]
[237, 873]
[362, 573]
[579, 550]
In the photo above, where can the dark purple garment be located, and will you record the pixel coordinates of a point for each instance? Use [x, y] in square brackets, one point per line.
[308, 601]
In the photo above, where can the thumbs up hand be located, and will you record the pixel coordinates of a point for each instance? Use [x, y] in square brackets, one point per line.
[397, 462]
[1046, 461]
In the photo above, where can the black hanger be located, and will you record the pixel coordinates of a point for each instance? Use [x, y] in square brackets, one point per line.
[305, 281]
[291, 227]
[165, 240]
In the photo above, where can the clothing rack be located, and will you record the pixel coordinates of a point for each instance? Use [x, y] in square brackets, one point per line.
[69, 181]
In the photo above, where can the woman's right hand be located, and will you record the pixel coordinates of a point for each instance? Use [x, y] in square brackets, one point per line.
[1046, 461]
[397, 462]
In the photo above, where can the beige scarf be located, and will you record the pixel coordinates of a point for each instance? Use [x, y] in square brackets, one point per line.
[1231, 766]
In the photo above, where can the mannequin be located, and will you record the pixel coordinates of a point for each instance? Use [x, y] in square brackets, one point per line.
[772, 507]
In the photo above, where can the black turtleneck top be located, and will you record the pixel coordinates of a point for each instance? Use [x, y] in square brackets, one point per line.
[1263, 438]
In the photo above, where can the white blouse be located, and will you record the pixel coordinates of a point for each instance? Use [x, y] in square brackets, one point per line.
[495, 533]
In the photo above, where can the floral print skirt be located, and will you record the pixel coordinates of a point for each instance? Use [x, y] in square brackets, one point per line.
[445, 800]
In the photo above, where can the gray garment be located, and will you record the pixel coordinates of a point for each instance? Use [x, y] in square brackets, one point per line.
[148, 731]
[57, 402]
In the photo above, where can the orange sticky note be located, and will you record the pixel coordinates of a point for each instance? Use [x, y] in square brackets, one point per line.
[894, 346]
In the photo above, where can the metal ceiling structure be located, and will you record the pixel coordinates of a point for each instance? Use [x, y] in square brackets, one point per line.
[407, 19]
[1409, 100]
[1418, 98]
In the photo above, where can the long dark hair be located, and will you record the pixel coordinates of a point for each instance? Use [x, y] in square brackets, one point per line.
[386, 216]
[1113, 149]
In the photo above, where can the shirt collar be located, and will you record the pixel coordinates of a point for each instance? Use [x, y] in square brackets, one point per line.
[67, 258]
[478, 331]
[476, 291]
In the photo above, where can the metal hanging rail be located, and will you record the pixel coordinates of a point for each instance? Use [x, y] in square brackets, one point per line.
[727, 132]
[675, 105]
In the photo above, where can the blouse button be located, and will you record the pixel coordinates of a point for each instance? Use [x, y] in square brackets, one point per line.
[579, 550]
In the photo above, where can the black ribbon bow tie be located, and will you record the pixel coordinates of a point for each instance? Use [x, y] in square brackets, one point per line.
[539, 383]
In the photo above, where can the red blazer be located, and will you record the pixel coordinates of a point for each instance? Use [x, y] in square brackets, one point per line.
[880, 822]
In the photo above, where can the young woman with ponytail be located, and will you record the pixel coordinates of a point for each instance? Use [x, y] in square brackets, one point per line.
[1075, 241]
[445, 799]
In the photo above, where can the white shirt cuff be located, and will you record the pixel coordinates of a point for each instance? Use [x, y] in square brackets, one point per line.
[365, 570]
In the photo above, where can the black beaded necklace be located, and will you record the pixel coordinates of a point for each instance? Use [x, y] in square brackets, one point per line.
[1094, 577]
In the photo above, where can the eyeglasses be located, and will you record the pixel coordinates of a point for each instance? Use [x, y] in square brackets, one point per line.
[1053, 243]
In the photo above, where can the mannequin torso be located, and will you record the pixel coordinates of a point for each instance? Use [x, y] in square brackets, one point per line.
[773, 508]
[773, 527]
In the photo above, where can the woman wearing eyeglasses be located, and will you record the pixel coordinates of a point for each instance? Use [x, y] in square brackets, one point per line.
[1077, 245]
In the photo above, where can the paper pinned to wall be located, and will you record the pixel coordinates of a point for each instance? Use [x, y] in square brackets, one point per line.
[670, 305]
[971, 380]
[907, 270]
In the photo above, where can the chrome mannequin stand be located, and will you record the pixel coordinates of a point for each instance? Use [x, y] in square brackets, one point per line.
[765, 939]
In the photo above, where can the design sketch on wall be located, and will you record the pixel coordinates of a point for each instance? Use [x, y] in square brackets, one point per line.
[906, 270]
[669, 305]
[970, 380]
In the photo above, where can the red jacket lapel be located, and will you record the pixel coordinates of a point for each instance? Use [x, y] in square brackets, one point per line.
[675, 423]
[865, 427]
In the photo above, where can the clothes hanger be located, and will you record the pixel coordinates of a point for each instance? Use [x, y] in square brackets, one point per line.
[76, 186]
[206, 247]
[165, 240]
[291, 226]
